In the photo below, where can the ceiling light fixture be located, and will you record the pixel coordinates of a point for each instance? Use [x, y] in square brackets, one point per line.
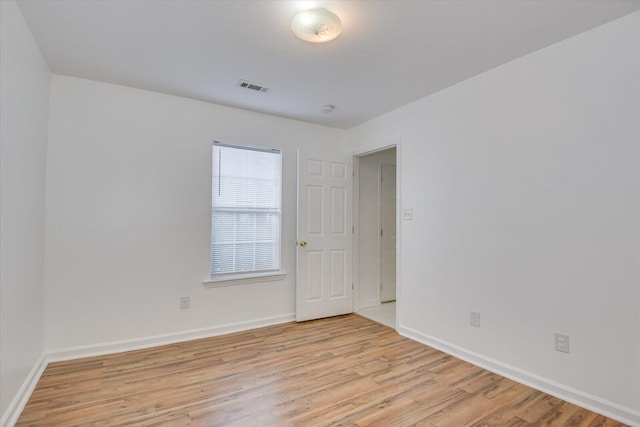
[316, 25]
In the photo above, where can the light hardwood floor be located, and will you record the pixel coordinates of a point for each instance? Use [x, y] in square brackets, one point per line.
[340, 371]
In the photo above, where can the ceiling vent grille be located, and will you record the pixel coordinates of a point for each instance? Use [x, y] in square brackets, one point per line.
[252, 86]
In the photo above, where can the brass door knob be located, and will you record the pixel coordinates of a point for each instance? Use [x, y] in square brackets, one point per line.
[303, 243]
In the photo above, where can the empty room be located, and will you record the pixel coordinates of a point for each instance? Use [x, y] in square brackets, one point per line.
[318, 213]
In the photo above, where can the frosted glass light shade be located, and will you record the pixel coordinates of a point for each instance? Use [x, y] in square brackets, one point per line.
[316, 25]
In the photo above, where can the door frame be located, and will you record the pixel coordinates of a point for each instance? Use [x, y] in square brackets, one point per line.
[356, 213]
[380, 204]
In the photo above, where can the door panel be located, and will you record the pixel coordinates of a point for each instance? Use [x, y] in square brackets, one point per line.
[388, 232]
[323, 277]
[313, 263]
[315, 208]
[338, 211]
[338, 273]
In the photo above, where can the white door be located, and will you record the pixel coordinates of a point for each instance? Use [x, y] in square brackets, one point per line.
[323, 276]
[387, 232]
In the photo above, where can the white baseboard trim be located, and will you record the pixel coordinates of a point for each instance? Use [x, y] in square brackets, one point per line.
[577, 397]
[158, 340]
[11, 415]
[369, 303]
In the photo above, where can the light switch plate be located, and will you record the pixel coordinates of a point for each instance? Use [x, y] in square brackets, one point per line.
[474, 319]
[407, 214]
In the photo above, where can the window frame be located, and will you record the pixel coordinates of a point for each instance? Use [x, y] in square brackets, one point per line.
[250, 276]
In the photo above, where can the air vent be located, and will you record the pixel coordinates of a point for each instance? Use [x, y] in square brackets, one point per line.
[248, 85]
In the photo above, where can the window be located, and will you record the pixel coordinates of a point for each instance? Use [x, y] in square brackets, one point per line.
[245, 210]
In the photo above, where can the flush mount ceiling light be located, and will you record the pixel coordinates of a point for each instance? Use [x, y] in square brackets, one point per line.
[327, 108]
[316, 25]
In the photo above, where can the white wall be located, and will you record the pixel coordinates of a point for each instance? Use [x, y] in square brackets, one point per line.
[369, 225]
[525, 188]
[24, 87]
[128, 213]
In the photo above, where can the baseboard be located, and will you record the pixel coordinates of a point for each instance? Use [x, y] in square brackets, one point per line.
[369, 303]
[11, 415]
[593, 403]
[158, 340]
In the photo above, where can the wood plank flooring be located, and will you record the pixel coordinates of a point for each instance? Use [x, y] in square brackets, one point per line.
[342, 371]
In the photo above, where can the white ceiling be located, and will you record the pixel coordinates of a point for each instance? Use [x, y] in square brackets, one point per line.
[389, 53]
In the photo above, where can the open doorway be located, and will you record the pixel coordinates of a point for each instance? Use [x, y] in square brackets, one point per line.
[376, 236]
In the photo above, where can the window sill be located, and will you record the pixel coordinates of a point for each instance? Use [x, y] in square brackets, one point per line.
[241, 279]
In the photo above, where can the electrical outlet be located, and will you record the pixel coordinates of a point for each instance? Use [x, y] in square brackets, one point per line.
[474, 319]
[562, 342]
[184, 303]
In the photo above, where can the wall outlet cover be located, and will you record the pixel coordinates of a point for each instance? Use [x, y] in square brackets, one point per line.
[184, 303]
[562, 342]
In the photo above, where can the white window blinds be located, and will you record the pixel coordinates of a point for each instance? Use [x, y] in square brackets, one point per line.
[245, 209]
